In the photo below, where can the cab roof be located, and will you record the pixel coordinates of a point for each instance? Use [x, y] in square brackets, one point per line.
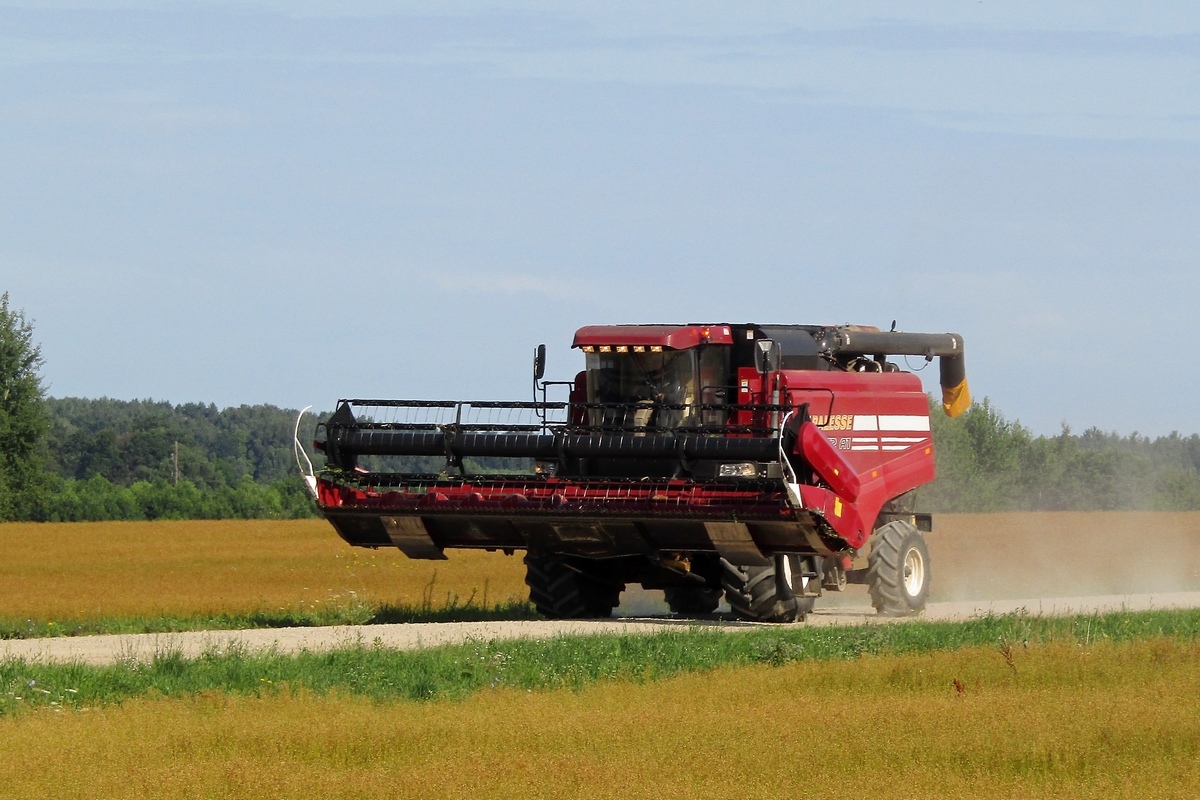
[675, 337]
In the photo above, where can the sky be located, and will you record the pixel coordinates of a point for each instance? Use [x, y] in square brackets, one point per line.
[294, 202]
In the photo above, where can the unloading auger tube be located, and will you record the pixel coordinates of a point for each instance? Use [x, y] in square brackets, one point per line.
[694, 458]
[946, 347]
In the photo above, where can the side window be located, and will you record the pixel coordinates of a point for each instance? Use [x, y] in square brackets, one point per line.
[714, 388]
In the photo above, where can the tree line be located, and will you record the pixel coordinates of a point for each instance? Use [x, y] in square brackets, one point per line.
[144, 459]
[986, 462]
[73, 459]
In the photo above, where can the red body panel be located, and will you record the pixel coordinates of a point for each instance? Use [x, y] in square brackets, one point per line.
[875, 426]
[871, 419]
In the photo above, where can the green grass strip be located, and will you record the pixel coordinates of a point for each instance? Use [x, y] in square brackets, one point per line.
[361, 614]
[456, 671]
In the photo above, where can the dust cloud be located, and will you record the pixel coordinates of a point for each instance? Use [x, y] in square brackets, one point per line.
[1033, 555]
[1063, 554]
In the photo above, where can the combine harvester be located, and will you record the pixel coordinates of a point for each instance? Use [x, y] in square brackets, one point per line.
[762, 462]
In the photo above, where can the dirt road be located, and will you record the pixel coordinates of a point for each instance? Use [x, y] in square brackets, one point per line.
[848, 610]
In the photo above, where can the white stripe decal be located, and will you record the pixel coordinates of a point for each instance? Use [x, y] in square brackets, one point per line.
[866, 422]
[904, 423]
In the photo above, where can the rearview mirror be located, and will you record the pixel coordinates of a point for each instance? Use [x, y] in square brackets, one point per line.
[539, 362]
[767, 356]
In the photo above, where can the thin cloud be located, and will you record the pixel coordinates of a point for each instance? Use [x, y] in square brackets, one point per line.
[512, 284]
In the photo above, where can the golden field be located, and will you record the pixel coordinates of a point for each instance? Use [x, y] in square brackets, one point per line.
[81, 571]
[1106, 721]
[89, 570]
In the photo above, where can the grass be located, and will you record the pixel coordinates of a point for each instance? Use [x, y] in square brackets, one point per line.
[459, 671]
[450, 610]
[1114, 718]
[127, 577]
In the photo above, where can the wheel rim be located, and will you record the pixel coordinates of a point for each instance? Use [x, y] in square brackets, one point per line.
[914, 572]
[789, 576]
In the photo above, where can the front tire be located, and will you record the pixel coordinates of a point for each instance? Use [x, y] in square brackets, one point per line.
[898, 570]
[560, 589]
[767, 594]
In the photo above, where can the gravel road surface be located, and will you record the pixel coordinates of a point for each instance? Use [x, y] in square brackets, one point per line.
[850, 611]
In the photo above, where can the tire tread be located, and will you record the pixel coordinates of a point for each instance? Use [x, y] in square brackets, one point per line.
[885, 569]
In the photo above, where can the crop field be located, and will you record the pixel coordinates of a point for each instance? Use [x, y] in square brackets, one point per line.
[130, 576]
[1104, 719]
[64, 574]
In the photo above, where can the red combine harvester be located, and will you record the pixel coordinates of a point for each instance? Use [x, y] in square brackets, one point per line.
[762, 462]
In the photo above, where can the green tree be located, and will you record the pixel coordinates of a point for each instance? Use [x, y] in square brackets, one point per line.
[23, 419]
[979, 458]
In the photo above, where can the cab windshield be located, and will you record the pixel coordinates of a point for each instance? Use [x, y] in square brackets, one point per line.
[648, 391]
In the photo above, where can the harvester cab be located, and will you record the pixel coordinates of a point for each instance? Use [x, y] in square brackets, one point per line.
[762, 463]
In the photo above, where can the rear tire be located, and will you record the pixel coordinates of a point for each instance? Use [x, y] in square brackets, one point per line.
[766, 594]
[559, 589]
[692, 600]
[898, 570]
